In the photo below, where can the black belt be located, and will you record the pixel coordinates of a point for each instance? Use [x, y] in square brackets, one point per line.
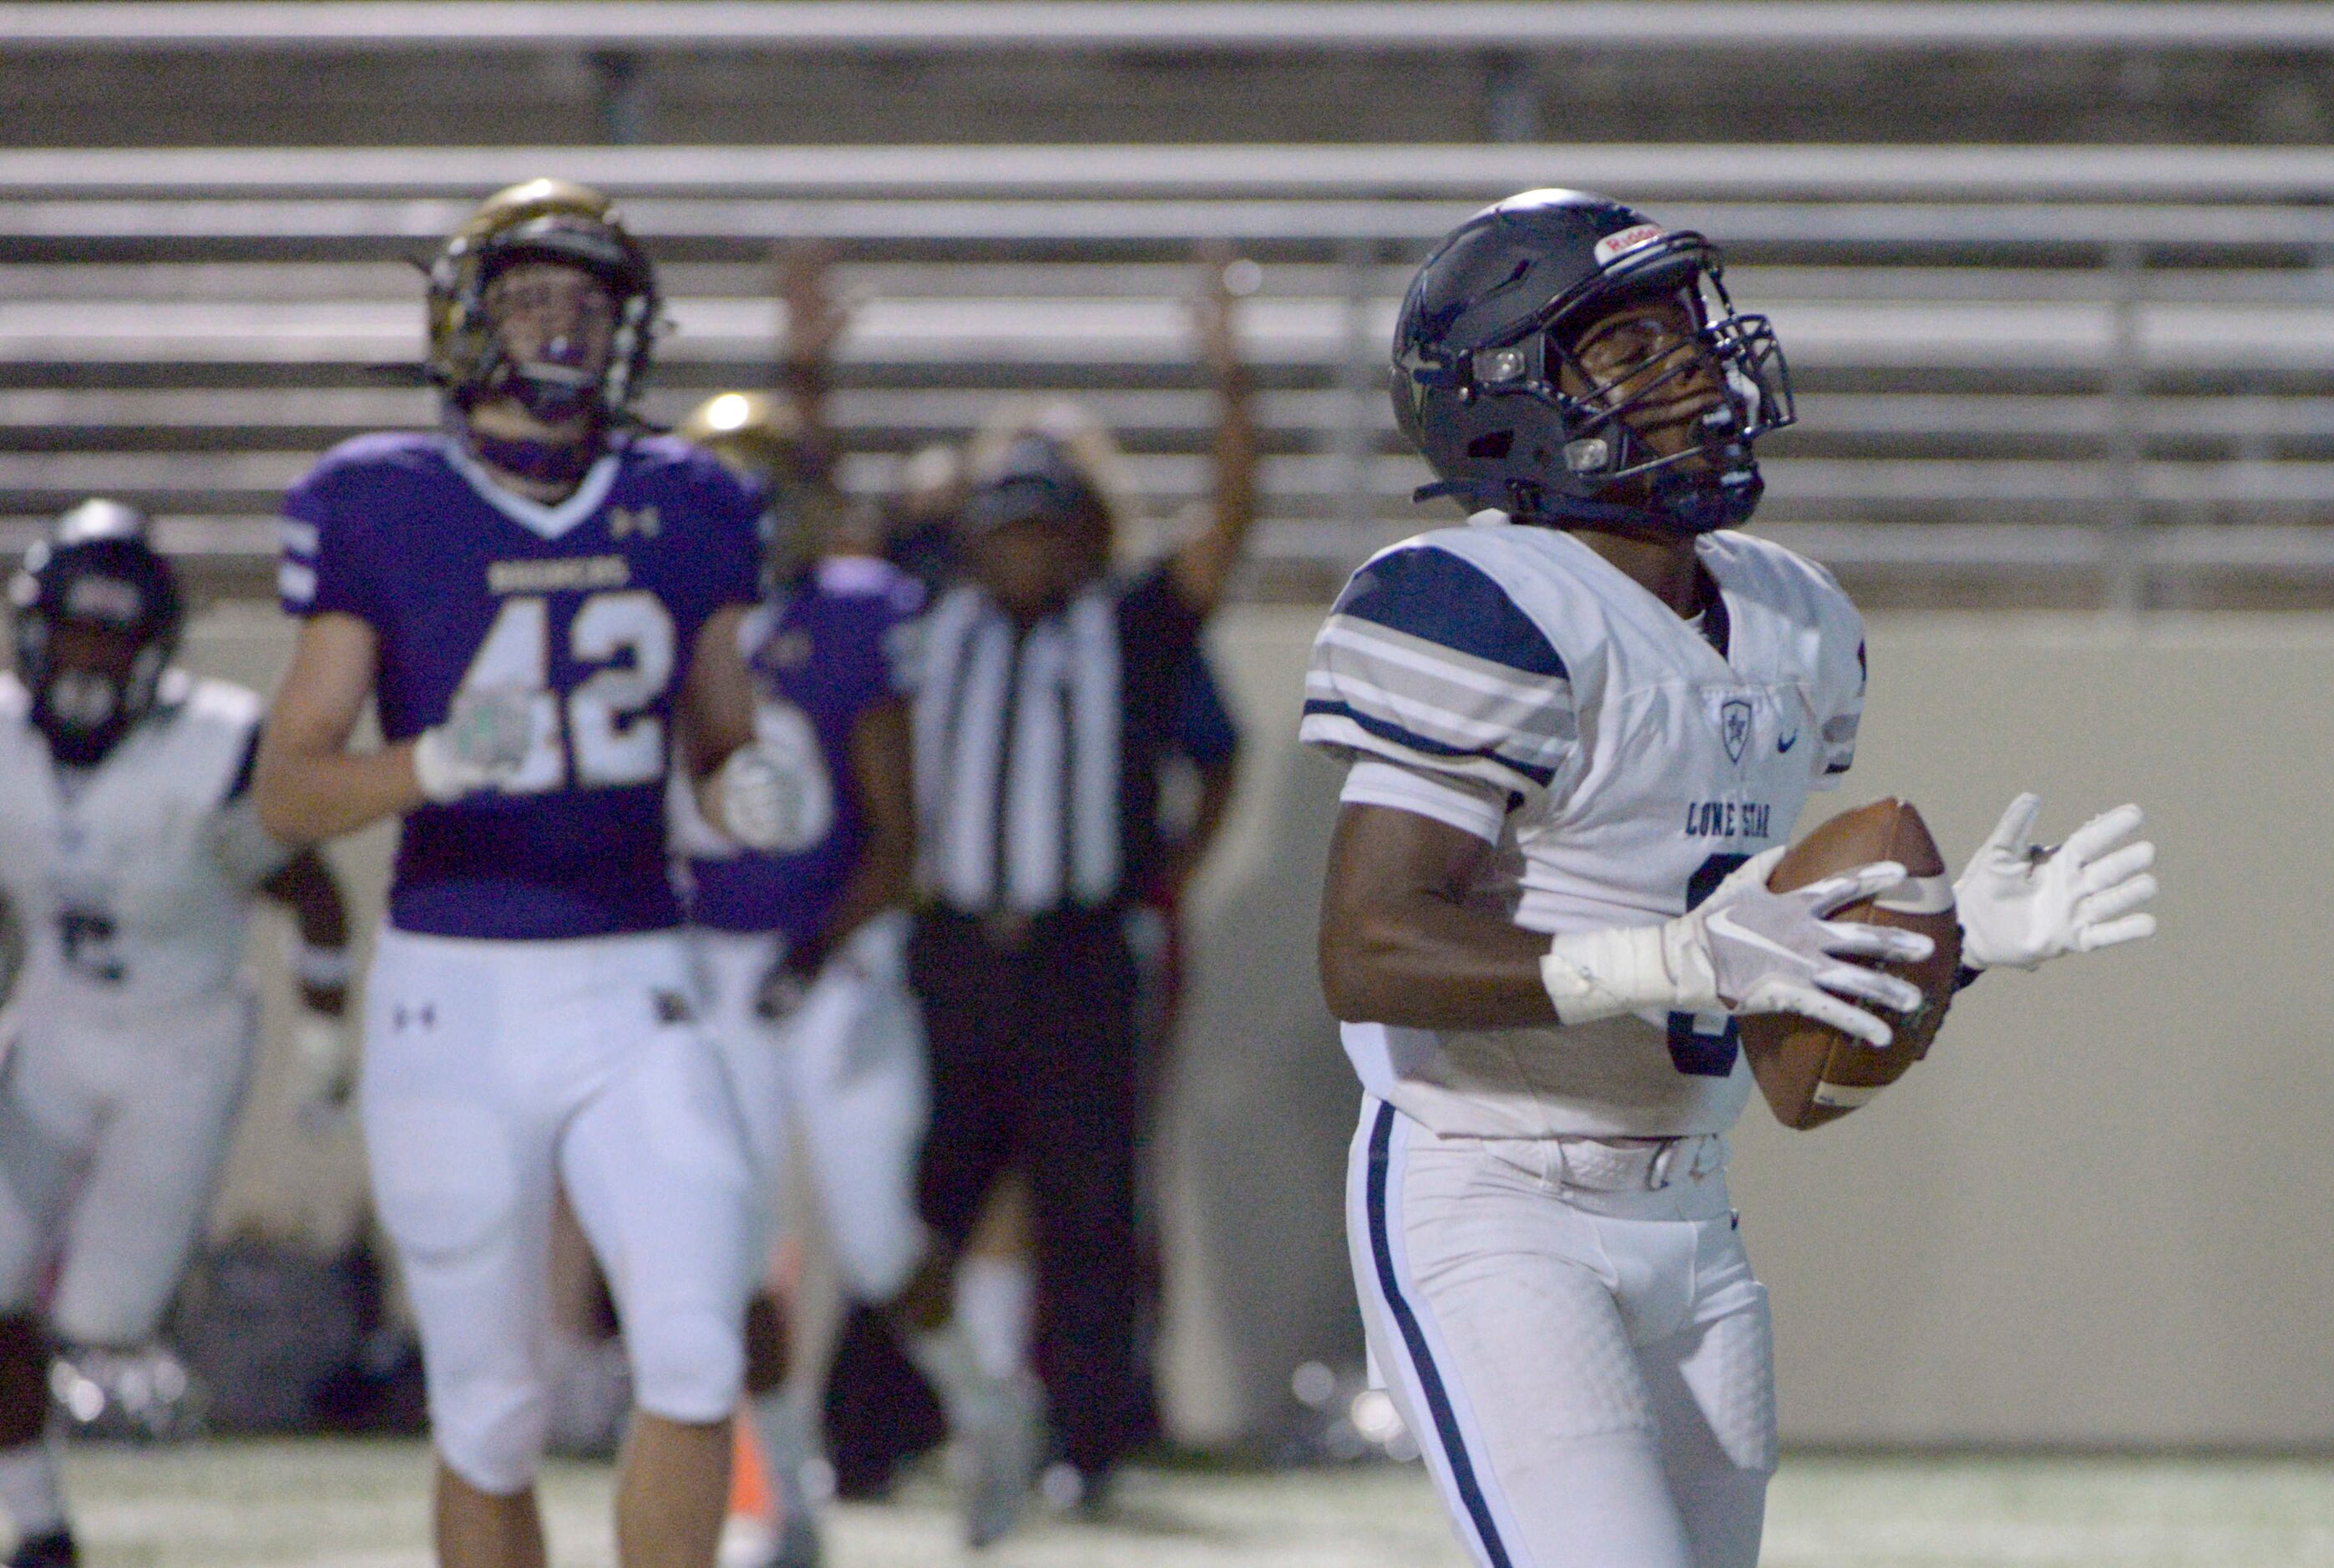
[1017, 930]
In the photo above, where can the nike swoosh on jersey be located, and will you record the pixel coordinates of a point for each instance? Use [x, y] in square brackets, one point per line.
[1785, 743]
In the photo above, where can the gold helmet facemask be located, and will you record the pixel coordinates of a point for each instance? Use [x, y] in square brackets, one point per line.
[551, 220]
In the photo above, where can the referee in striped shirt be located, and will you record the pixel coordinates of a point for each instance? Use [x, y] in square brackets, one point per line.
[1048, 695]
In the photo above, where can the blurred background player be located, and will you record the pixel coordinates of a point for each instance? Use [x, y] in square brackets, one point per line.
[822, 1039]
[544, 604]
[1539, 959]
[131, 856]
[1046, 692]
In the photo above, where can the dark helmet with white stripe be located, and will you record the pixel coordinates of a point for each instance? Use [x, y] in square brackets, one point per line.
[95, 570]
[1485, 334]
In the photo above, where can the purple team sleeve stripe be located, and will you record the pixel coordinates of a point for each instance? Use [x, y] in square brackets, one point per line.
[297, 585]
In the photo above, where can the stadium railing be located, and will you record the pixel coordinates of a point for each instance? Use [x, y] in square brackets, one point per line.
[727, 25]
[2112, 362]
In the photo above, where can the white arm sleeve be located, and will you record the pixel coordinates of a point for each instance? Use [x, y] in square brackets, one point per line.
[1464, 803]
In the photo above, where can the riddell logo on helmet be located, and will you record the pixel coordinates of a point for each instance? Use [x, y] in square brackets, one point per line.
[1628, 239]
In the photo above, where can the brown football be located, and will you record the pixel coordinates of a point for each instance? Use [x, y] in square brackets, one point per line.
[1810, 1072]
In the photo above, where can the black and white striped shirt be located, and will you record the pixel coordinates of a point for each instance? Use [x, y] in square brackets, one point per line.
[1037, 747]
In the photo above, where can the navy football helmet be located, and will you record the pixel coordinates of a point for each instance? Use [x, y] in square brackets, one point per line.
[97, 571]
[1486, 335]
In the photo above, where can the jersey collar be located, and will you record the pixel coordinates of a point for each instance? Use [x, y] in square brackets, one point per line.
[551, 522]
[1642, 606]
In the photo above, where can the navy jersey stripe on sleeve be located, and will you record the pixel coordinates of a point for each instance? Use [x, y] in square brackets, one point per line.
[1412, 741]
[1434, 594]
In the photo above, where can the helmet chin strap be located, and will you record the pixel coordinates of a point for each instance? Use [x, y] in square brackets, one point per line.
[1682, 504]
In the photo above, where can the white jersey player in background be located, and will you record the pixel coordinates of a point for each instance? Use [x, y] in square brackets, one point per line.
[1580, 732]
[131, 854]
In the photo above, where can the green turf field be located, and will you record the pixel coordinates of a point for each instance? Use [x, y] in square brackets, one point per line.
[361, 1505]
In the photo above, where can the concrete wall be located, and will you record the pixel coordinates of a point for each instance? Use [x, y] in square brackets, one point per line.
[2093, 1216]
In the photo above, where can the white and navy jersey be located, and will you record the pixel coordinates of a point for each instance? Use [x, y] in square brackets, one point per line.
[134, 878]
[1511, 681]
[594, 605]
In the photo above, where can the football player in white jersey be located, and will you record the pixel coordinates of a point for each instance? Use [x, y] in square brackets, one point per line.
[132, 854]
[1579, 733]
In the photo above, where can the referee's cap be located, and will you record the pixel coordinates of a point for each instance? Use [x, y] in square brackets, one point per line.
[1033, 481]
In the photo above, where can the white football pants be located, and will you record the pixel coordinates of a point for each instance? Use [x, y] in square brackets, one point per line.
[846, 1072]
[493, 1069]
[111, 1143]
[1589, 1373]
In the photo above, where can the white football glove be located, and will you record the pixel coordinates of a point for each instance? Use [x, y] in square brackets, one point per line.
[1746, 949]
[765, 802]
[323, 1072]
[2021, 903]
[481, 745]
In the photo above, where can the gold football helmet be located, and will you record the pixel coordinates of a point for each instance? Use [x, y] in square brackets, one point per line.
[539, 220]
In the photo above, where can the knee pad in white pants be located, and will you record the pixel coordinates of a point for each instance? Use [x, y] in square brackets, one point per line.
[688, 1363]
[856, 1074]
[112, 1155]
[664, 1189]
[490, 1432]
[846, 1069]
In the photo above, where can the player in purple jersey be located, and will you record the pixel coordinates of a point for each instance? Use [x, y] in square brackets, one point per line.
[822, 1038]
[544, 604]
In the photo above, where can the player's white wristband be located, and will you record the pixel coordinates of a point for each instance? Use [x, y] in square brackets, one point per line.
[323, 968]
[440, 775]
[1593, 975]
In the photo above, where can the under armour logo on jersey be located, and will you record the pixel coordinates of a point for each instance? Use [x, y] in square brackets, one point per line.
[1734, 726]
[623, 521]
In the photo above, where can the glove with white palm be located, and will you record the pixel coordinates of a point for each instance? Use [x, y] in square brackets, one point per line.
[2022, 903]
[481, 745]
[1747, 949]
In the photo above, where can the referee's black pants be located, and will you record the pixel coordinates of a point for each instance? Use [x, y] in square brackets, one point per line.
[1032, 1035]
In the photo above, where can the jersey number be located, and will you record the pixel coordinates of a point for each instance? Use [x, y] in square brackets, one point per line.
[1703, 1044]
[599, 724]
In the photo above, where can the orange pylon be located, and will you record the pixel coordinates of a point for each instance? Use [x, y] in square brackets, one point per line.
[749, 1484]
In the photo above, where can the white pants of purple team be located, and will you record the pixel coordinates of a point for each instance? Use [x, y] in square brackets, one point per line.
[494, 1069]
[1571, 1328]
[844, 1072]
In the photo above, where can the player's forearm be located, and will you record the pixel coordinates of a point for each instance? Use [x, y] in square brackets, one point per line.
[1427, 963]
[307, 799]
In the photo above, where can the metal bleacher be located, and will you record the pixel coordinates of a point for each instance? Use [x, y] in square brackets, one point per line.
[2107, 371]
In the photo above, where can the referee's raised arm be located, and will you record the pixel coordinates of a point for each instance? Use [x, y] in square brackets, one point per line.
[1203, 566]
